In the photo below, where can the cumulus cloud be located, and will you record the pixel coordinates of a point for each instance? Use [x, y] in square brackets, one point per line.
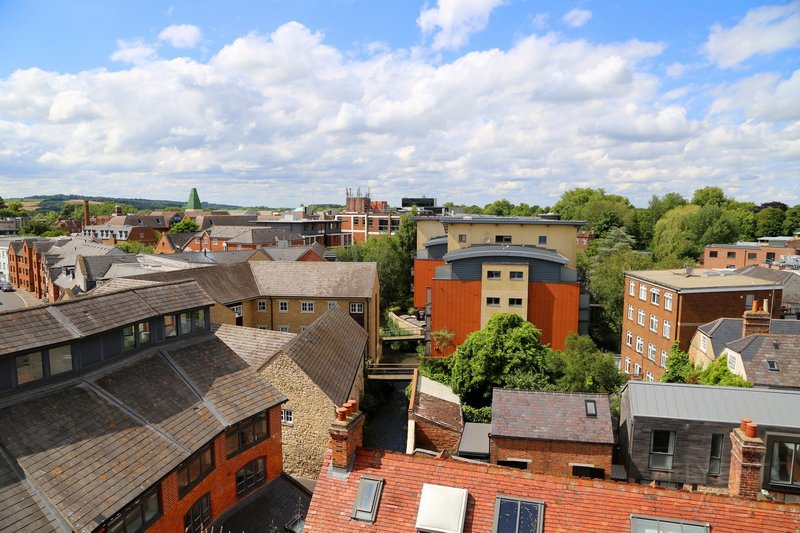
[284, 118]
[453, 21]
[577, 17]
[763, 30]
[135, 52]
[181, 35]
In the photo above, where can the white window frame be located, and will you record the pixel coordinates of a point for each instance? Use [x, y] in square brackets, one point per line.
[628, 338]
[262, 306]
[668, 301]
[630, 312]
[651, 351]
[703, 343]
[666, 329]
[655, 295]
[632, 288]
[643, 292]
[492, 301]
[648, 376]
[287, 417]
[283, 306]
[639, 345]
[331, 305]
[627, 365]
[237, 310]
[356, 308]
[664, 357]
[653, 323]
[637, 369]
[283, 329]
[307, 307]
[640, 317]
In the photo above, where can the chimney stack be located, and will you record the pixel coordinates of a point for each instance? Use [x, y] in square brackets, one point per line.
[117, 210]
[747, 458]
[85, 213]
[755, 321]
[346, 435]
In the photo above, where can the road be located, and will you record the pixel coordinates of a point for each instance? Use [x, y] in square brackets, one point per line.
[10, 301]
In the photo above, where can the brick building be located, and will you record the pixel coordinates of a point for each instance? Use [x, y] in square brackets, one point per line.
[434, 416]
[561, 434]
[662, 306]
[767, 250]
[371, 490]
[123, 412]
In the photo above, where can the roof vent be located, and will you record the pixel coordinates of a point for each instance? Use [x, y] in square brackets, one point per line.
[441, 509]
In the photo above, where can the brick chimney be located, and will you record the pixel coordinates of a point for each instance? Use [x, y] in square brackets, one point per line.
[755, 321]
[117, 210]
[85, 213]
[747, 458]
[346, 435]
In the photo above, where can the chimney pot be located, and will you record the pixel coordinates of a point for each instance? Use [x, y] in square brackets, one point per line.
[755, 305]
[341, 414]
[743, 425]
[751, 430]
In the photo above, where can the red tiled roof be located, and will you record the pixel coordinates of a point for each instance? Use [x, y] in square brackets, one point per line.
[570, 504]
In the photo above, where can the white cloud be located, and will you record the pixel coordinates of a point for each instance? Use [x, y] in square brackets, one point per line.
[454, 21]
[135, 52]
[763, 30]
[181, 35]
[577, 17]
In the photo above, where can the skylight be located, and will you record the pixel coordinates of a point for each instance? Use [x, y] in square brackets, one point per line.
[591, 408]
[773, 365]
[367, 498]
[441, 509]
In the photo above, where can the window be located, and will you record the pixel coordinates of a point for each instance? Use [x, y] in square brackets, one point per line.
[144, 332]
[653, 323]
[713, 253]
[251, 475]
[731, 362]
[194, 469]
[246, 433]
[731, 255]
[716, 454]
[639, 345]
[492, 301]
[630, 311]
[666, 329]
[588, 471]
[29, 367]
[200, 319]
[137, 516]
[643, 524]
[186, 323]
[237, 310]
[542, 239]
[515, 302]
[306, 307]
[748, 301]
[170, 326]
[637, 369]
[287, 417]
[517, 275]
[591, 408]
[627, 365]
[356, 308]
[782, 462]
[628, 338]
[662, 447]
[651, 351]
[215, 242]
[642, 292]
[703, 343]
[514, 515]
[60, 359]
[648, 376]
[283, 307]
[493, 274]
[199, 516]
[283, 329]
[331, 305]
[751, 255]
[369, 494]
[502, 239]
[262, 306]
[655, 296]
[640, 317]
[462, 238]
[772, 366]
[632, 288]
[664, 357]
[129, 337]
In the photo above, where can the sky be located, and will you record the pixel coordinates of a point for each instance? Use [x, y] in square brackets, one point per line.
[289, 102]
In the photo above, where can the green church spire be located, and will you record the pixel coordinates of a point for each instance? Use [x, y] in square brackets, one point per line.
[194, 201]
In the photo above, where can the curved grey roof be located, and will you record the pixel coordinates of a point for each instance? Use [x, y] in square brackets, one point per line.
[436, 241]
[499, 251]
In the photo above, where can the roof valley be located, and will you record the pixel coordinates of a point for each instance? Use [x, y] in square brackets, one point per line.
[195, 390]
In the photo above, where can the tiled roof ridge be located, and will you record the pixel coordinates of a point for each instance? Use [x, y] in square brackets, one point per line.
[553, 393]
[742, 344]
[194, 388]
[89, 295]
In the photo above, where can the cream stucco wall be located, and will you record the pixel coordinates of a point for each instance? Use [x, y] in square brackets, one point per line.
[562, 238]
[504, 288]
[427, 230]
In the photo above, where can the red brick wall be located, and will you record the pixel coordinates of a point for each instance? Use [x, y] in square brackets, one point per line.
[424, 270]
[430, 436]
[456, 308]
[220, 482]
[551, 457]
[553, 308]
[742, 256]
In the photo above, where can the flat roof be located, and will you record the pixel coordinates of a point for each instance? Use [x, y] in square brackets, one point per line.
[701, 280]
[491, 219]
[475, 440]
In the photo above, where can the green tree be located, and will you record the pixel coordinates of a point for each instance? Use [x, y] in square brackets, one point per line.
[42, 226]
[13, 209]
[679, 367]
[583, 367]
[570, 205]
[393, 271]
[718, 373]
[499, 208]
[135, 247]
[184, 226]
[791, 220]
[769, 222]
[506, 352]
[709, 196]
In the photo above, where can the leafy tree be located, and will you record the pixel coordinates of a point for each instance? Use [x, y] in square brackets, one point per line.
[184, 226]
[683, 231]
[12, 209]
[778, 205]
[499, 208]
[524, 210]
[718, 373]
[791, 220]
[42, 226]
[506, 352]
[679, 367]
[570, 205]
[769, 222]
[393, 272]
[473, 210]
[2, 203]
[582, 367]
[709, 196]
[135, 247]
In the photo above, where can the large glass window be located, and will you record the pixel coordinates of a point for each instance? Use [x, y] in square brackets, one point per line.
[138, 515]
[513, 515]
[60, 359]
[662, 449]
[129, 337]
[246, 433]
[250, 476]
[186, 323]
[716, 453]
[144, 332]
[170, 326]
[306, 307]
[29, 367]
[783, 457]
[642, 524]
[199, 319]
[195, 469]
[199, 516]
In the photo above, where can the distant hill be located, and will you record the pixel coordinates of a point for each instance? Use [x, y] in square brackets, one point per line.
[54, 202]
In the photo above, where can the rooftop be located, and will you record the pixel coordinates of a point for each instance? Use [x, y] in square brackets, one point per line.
[724, 330]
[758, 352]
[702, 279]
[491, 219]
[506, 250]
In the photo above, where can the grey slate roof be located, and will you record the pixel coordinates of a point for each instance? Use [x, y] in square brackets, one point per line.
[256, 346]
[97, 266]
[557, 416]
[214, 258]
[500, 251]
[19, 510]
[756, 350]
[179, 240]
[97, 442]
[725, 330]
[330, 351]
[226, 284]
[766, 407]
[273, 506]
[315, 279]
[292, 253]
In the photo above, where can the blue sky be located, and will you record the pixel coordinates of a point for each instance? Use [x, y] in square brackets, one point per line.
[289, 102]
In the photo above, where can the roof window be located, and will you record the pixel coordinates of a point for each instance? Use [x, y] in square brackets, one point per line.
[441, 509]
[367, 498]
[591, 408]
[773, 366]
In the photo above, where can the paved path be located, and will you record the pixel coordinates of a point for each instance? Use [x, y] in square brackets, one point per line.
[10, 301]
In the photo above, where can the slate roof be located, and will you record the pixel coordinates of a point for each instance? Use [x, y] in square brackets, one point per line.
[97, 266]
[19, 510]
[135, 220]
[214, 258]
[27, 329]
[256, 346]
[274, 506]
[207, 221]
[263, 236]
[179, 240]
[557, 416]
[724, 330]
[765, 407]
[292, 253]
[475, 440]
[500, 250]
[570, 504]
[315, 279]
[756, 350]
[226, 284]
[98, 441]
[120, 284]
[330, 351]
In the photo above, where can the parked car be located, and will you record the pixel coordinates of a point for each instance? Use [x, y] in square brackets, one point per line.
[6, 287]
